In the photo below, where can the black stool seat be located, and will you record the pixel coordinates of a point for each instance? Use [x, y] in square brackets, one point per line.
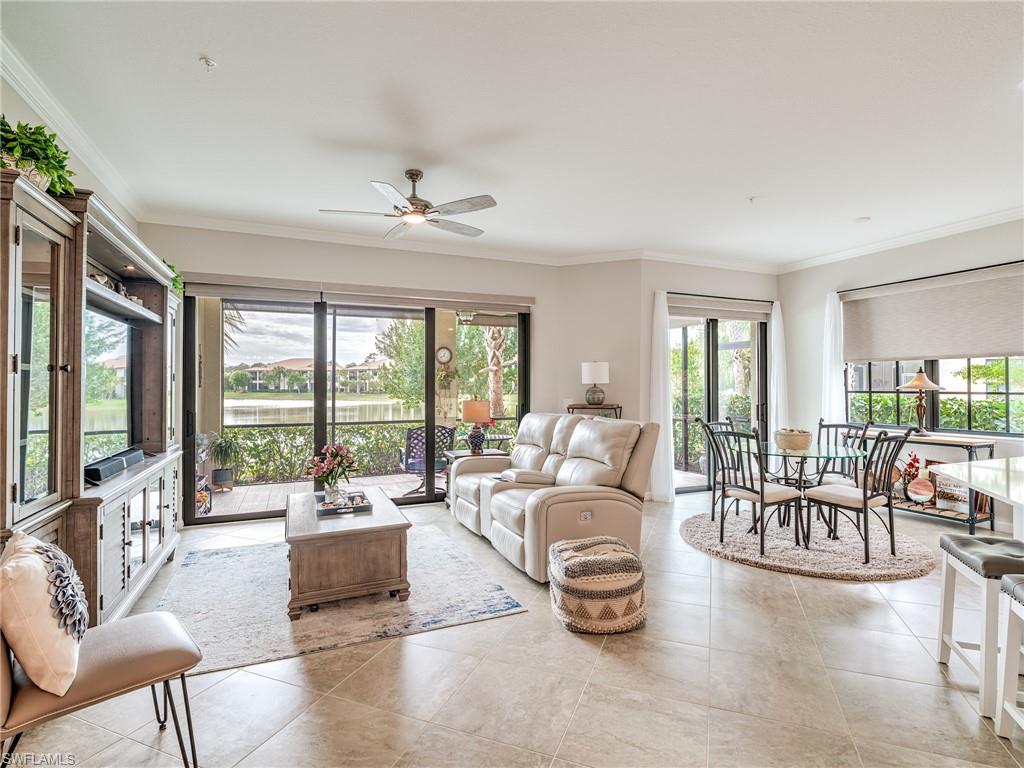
[1013, 585]
[991, 556]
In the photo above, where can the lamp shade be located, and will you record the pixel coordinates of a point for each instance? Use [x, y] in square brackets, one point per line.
[594, 373]
[919, 382]
[476, 411]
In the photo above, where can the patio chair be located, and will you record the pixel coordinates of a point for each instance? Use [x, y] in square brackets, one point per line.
[413, 458]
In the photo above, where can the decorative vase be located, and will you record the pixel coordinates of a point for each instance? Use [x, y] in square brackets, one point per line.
[335, 495]
[37, 178]
[476, 438]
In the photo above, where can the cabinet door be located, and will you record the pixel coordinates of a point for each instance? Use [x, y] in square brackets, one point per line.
[136, 532]
[113, 554]
[171, 341]
[36, 349]
[171, 501]
[154, 516]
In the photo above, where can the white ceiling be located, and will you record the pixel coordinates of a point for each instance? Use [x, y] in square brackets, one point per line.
[598, 127]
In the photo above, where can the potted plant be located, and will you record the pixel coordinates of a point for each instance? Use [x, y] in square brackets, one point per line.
[224, 450]
[30, 149]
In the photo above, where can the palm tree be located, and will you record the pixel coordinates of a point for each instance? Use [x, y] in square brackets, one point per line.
[494, 341]
[234, 324]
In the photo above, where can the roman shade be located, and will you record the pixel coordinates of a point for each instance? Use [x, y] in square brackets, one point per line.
[695, 305]
[976, 313]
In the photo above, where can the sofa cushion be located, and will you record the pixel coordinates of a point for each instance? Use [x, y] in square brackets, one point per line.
[598, 452]
[43, 613]
[509, 508]
[467, 486]
[527, 476]
[533, 440]
[564, 428]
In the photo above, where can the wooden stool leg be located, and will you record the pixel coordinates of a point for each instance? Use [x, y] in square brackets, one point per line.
[989, 648]
[946, 609]
[1009, 663]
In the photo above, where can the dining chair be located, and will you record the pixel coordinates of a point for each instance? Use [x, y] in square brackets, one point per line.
[840, 436]
[874, 491]
[710, 429]
[741, 462]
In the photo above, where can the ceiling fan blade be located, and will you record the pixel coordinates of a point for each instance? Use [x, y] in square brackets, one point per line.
[358, 213]
[466, 205]
[455, 227]
[398, 230]
[394, 197]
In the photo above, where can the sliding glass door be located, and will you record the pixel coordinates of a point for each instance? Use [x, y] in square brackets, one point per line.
[719, 372]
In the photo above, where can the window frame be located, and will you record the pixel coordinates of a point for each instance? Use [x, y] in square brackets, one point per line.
[931, 368]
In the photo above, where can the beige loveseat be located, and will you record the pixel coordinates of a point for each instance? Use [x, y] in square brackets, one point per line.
[569, 478]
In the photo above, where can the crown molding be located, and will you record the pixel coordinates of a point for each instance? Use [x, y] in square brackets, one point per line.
[26, 83]
[643, 254]
[922, 236]
[342, 238]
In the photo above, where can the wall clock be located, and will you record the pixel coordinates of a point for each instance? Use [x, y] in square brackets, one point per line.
[443, 355]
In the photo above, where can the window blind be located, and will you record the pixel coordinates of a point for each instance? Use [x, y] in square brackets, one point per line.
[694, 305]
[979, 313]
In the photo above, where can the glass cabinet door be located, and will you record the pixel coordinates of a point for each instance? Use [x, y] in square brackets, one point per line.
[35, 417]
[154, 503]
[136, 532]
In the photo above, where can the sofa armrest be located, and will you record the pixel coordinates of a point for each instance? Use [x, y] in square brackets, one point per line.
[577, 512]
[527, 476]
[467, 464]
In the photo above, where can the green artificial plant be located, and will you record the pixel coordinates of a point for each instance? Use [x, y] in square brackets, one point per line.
[33, 143]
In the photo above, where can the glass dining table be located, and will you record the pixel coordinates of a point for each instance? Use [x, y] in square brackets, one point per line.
[794, 471]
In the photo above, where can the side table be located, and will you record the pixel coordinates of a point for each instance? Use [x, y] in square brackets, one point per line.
[608, 410]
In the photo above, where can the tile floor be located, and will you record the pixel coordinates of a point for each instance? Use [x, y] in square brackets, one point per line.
[736, 667]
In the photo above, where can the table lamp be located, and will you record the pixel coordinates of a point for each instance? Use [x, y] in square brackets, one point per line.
[920, 384]
[478, 412]
[594, 374]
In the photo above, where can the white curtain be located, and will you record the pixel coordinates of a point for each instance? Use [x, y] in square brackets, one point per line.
[833, 390]
[778, 392]
[662, 477]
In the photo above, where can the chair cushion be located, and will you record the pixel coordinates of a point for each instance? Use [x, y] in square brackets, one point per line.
[467, 486]
[831, 479]
[509, 508]
[418, 466]
[597, 585]
[773, 494]
[598, 453]
[115, 658]
[1013, 585]
[990, 556]
[843, 496]
[43, 612]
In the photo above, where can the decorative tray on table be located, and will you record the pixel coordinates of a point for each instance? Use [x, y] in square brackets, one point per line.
[356, 502]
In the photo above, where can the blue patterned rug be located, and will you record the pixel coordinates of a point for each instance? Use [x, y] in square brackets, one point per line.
[234, 601]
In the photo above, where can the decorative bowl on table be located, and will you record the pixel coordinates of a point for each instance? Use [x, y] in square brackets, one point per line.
[793, 439]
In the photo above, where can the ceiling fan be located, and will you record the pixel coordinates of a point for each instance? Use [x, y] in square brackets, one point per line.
[413, 210]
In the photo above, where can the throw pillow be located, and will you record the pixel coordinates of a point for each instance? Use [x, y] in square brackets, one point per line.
[43, 611]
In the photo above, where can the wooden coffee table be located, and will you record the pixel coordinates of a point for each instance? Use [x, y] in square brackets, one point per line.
[339, 556]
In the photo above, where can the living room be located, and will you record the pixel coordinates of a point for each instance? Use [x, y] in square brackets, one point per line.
[687, 433]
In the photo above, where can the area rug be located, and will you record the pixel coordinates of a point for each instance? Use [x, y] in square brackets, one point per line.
[826, 558]
[234, 602]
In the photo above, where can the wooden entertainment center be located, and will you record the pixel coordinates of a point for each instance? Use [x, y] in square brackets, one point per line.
[70, 266]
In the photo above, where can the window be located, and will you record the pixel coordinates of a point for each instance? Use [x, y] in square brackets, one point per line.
[978, 394]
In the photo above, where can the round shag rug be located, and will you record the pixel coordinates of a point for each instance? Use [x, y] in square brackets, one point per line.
[826, 558]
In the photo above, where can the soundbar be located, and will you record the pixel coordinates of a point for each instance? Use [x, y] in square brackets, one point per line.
[101, 470]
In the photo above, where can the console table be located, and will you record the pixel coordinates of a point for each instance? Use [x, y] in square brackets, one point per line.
[971, 445]
[608, 410]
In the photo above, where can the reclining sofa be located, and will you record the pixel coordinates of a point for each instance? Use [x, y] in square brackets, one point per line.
[569, 477]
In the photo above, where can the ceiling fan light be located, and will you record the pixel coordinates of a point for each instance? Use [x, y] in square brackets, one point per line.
[413, 217]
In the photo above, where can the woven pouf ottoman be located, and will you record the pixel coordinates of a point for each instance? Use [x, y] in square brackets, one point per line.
[597, 585]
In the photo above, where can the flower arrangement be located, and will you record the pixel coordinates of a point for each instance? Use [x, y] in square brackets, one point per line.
[912, 469]
[333, 463]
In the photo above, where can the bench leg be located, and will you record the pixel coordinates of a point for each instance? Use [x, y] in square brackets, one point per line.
[946, 609]
[1009, 669]
[989, 648]
[7, 756]
[177, 725]
[161, 719]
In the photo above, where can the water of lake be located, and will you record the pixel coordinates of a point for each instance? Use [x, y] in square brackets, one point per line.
[301, 411]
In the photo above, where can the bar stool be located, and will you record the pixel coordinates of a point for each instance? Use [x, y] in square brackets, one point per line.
[982, 560]
[1012, 597]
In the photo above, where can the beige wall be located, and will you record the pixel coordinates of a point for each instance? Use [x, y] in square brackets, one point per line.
[16, 109]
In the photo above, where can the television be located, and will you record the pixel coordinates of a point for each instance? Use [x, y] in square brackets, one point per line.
[107, 410]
